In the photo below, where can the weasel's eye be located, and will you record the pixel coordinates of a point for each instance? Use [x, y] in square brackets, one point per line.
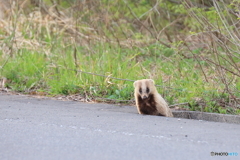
[147, 90]
[140, 90]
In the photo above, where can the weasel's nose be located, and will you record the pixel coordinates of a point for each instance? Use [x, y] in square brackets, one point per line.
[144, 97]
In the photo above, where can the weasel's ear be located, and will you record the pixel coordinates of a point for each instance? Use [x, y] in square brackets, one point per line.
[152, 81]
[135, 83]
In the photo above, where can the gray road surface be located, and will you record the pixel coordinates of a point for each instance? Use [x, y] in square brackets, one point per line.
[47, 129]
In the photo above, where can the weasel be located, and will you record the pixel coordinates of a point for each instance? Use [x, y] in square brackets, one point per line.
[148, 100]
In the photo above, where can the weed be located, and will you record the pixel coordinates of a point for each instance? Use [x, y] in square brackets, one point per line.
[46, 52]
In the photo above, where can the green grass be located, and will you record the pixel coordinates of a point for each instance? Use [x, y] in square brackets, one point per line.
[40, 54]
[180, 80]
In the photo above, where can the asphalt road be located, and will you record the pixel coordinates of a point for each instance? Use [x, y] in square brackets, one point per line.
[47, 129]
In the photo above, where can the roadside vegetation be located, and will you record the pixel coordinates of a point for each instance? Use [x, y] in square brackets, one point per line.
[96, 49]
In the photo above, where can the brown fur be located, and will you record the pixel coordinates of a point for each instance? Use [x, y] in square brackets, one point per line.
[148, 100]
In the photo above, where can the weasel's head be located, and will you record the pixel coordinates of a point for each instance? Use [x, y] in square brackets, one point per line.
[144, 87]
